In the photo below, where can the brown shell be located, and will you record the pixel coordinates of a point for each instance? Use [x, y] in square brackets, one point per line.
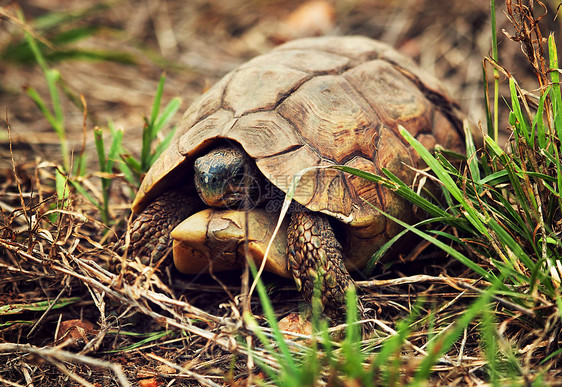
[319, 102]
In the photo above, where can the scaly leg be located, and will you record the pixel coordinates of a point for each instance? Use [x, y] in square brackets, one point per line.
[316, 255]
[150, 231]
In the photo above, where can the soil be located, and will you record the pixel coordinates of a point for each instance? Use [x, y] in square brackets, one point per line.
[44, 257]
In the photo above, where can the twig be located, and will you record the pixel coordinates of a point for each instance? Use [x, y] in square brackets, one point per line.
[49, 308]
[413, 280]
[8, 383]
[55, 355]
[503, 301]
[200, 378]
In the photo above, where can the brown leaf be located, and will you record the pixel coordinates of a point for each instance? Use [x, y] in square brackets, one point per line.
[152, 382]
[295, 323]
[75, 330]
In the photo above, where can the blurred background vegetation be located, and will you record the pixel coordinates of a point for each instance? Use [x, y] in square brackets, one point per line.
[113, 52]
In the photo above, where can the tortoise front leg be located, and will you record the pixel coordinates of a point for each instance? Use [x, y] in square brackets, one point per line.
[150, 231]
[316, 255]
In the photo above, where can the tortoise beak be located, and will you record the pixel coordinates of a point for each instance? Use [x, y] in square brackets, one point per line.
[209, 189]
[218, 191]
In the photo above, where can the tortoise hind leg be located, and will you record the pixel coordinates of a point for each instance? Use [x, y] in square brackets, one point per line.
[150, 232]
[316, 255]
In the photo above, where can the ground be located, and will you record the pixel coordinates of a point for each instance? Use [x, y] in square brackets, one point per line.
[46, 257]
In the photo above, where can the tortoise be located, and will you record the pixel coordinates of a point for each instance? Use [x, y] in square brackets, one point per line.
[313, 102]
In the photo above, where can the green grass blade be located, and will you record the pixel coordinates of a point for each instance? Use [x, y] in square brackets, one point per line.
[393, 344]
[33, 46]
[384, 248]
[53, 76]
[446, 340]
[157, 100]
[119, 155]
[521, 127]
[471, 214]
[489, 343]
[52, 20]
[447, 235]
[496, 72]
[127, 170]
[162, 146]
[145, 148]
[167, 113]
[152, 337]
[100, 149]
[61, 187]
[74, 34]
[559, 181]
[371, 263]
[351, 347]
[394, 183]
[516, 252]
[105, 167]
[82, 191]
[448, 249]
[514, 172]
[489, 120]
[153, 125]
[557, 94]
[40, 306]
[131, 162]
[40, 103]
[495, 178]
[115, 148]
[556, 98]
[512, 219]
[283, 354]
[538, 124]
[471, 153]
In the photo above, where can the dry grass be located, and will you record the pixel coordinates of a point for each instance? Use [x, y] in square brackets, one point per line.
[52, 261]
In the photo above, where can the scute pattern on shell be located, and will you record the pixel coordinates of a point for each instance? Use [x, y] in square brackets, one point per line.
[320, 102]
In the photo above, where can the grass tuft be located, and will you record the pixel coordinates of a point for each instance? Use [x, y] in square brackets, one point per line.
[135, 168]
[498, 321]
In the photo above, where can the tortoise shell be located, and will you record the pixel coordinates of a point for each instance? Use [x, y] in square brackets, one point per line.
[320, 102]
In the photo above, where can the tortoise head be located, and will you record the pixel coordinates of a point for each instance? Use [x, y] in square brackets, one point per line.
[228, 177]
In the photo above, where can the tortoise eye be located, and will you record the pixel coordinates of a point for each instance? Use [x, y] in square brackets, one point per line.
[238, 176]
